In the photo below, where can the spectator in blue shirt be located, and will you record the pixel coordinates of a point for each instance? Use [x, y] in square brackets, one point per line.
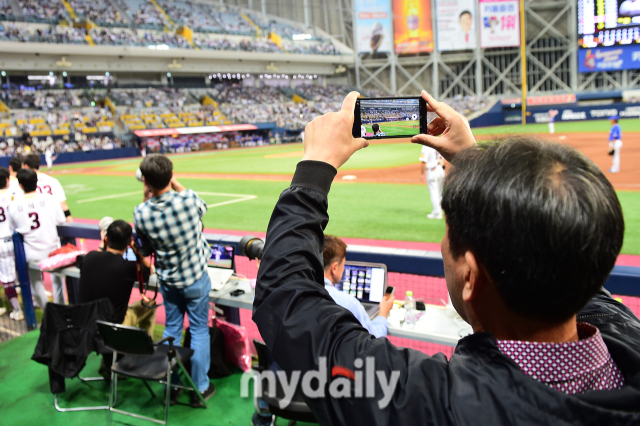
[334, 255]
[615, 143]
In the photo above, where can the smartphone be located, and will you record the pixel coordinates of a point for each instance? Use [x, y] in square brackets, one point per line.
[389, 291]
[236, 293]
[386, 118]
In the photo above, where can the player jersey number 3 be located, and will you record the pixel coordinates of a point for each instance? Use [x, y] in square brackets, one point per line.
[35, 220]
[45, 189]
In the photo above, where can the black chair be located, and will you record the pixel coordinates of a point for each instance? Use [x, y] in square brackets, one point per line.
[137, 356]
[68, 335]
[296, 411]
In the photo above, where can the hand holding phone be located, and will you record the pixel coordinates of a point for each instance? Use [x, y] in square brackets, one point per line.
[328, 138]
[448, 133]
[388, 118]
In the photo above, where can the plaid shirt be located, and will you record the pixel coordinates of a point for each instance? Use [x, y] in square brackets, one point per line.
[172, 224]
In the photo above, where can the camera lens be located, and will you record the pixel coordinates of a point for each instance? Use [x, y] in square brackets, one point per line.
[251, 247]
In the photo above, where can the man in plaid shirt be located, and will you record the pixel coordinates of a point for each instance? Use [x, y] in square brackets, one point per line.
[170, 219]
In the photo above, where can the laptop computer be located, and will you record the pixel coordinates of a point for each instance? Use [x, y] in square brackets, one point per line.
[221, 265]
[365, 281]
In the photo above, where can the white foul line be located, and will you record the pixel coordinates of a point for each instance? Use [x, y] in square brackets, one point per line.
[241, 197]
[106, 197]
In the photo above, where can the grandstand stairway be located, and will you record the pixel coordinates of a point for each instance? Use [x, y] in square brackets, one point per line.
[125, 16]
[166, 16]
[17, 10]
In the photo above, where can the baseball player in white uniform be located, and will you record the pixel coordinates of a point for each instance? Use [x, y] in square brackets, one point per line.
[15, 164]
[433, 167]
[7, 256]
[47, 184]
[36, 216]
[49, 158]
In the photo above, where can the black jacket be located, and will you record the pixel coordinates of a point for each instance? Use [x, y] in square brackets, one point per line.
[68, 335]
[478, 386]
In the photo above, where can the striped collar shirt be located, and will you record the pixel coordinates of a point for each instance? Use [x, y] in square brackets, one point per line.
[172, 223]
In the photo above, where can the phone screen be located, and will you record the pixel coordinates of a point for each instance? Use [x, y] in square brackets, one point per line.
[380, 118]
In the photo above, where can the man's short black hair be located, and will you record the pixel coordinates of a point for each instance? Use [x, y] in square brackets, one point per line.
[157, 170]
[32, 161]
[119, 235]
[28, 179]
[541, 218]
[15, 163]
[4, 177]
[464, 12]
[375, 127]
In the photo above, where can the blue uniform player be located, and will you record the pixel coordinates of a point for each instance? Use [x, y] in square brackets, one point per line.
[615, 143]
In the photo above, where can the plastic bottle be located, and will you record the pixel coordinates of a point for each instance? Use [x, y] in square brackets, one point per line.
[410, 316]
[81, 247]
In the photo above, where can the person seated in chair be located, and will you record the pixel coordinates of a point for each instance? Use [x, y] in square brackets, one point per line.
[107, 274]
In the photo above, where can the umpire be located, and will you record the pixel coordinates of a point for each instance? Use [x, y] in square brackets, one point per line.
[170, 220]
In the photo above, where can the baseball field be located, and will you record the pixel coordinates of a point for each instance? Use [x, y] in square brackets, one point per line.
[395, 128]
[378, 194]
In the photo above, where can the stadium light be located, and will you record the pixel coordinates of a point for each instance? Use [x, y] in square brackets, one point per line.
[107, 73]
[51, 73]
[168, 74]
[4, 73]
[64, 73]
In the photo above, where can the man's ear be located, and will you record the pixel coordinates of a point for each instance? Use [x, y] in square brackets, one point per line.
[474, 278]
[334, 267]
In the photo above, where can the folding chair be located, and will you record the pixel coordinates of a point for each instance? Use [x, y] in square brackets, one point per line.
[296, 411]
[143, 359]
[68, 334]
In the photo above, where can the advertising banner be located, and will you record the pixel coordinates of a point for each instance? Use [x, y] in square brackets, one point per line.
[373, 27]
[499, 23]
[543, 100]
[609, 58]
[456, 24]
[576, 113]
[412, 26]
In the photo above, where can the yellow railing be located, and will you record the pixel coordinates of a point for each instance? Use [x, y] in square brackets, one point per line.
[67, 6]
[163, 12]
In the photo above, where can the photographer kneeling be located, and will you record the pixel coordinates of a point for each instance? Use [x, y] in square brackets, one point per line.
[533, 231]
[170, 220]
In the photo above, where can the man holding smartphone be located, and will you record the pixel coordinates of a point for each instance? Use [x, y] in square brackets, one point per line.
[533, 231]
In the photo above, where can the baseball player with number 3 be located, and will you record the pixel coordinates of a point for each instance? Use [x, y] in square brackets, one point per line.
[36, 216]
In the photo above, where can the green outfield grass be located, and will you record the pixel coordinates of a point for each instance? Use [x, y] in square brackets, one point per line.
[397, 128]
[269, 160]
[627, 125]
[357, 210]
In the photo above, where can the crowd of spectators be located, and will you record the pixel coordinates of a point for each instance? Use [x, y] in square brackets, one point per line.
[152, 97]
[100, 12]
[61, 35]
[14, 32]
[41, 99]
[148, 15]
[12, 147]
[235, 93]
[6, 11]
[467, 105]
[330, 93]
[48, 11]
[325, 48]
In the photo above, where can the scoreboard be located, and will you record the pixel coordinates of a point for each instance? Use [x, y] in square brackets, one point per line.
[606, 23]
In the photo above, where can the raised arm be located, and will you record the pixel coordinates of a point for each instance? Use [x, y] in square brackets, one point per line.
[301, 324]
